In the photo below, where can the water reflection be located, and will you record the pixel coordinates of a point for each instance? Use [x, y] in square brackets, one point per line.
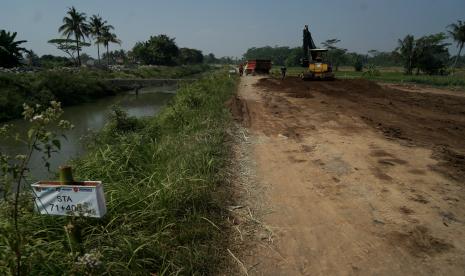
[90, 117]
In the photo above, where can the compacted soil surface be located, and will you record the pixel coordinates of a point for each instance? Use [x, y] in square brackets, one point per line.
[348, 177]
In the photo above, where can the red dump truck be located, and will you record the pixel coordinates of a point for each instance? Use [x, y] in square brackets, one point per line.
[257, 66]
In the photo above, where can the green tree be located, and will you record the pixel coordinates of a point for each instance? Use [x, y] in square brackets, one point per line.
[158, 50]
[97, 27]
[432, 53]
[294, 57]
[75, 25]
[190, 56]
[336, 55]
[382, 58]
[117, 56]
[358, 64]
[10, 50]
[457, 32]
[407, 52]
[50, 61]
[210, 58]
[68, 46]
[107, 38]
[277, 55]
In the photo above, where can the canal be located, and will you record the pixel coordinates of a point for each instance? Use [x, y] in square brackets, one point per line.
[88, 118]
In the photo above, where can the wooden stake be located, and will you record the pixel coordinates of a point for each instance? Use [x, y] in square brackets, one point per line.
[66, 175]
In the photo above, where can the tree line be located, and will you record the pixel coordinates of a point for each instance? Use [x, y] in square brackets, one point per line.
[79, 31]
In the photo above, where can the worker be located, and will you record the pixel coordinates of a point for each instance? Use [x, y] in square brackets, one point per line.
[283, 72]
[241, 69]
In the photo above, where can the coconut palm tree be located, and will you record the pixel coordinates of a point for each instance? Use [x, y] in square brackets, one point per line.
[97, 27]
[75, 24]
[10, 50]
[407, 51]
[457, 33]
[107, 38]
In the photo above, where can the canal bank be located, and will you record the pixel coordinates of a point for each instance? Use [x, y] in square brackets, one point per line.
[75, 86]
[164, 183]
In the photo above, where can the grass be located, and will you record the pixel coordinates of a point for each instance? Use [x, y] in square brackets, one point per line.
[394, 75]
[72, 88]
[163, 179]
[159, 71]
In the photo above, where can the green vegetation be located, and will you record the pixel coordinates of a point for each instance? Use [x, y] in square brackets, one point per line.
[162, 50]
[10, 50]
[68, 47]
[97, 28]
[75, 24]
[457, 32]
[336, 55]
[158, 50]
[14, 242]
[190, 56]
[450, 81]
[163, 180]
[73, 87]
[43, 87]
[106, 38]
[154, 72]
[278, 55]
[211, 59]
[428, 54]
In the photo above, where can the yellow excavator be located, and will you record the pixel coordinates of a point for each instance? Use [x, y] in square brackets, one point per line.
[315, 60]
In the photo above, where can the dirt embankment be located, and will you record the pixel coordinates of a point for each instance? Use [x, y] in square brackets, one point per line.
[349, 178]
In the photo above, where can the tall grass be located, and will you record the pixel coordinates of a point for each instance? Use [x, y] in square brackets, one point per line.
[163, 181]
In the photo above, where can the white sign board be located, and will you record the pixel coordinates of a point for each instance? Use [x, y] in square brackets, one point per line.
[82, 199]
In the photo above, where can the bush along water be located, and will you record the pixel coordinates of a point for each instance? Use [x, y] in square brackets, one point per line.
[163, 179]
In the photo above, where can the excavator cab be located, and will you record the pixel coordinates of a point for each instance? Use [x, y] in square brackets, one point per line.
[318, 68]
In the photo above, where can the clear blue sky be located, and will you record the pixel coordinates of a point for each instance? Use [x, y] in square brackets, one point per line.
[229, 28]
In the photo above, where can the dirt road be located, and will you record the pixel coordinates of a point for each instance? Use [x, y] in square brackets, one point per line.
[350, 178]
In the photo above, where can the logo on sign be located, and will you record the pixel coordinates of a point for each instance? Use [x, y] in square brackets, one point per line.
[76, 189]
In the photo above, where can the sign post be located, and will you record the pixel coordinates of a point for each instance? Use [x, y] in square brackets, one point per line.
[69, 198]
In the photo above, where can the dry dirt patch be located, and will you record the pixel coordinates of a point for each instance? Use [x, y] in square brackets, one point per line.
[353, 178]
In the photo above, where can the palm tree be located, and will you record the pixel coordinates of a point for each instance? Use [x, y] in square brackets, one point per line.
[75, 24]
[10, 50]
[457, 33]
[107, 38]
[97, 27]
[407, 51]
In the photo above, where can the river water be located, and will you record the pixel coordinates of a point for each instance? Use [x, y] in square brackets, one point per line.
[88, 118]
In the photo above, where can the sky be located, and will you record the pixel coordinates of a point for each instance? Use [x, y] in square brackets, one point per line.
[229, 28]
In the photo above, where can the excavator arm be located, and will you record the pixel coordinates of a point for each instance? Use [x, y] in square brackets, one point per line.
[308, 44]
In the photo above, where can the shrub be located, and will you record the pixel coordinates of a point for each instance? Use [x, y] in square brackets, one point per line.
[358, 65]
